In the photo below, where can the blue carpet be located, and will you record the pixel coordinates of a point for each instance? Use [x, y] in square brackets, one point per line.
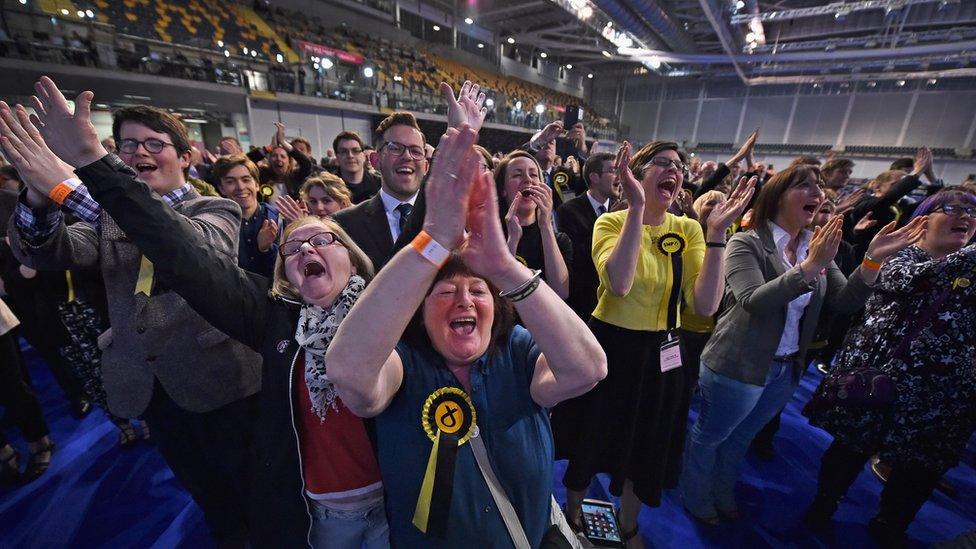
[97, 494]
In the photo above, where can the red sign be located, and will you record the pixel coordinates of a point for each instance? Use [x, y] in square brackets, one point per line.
[319, 50]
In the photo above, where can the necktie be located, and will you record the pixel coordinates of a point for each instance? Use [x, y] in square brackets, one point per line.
[404, 210]
[601, 210]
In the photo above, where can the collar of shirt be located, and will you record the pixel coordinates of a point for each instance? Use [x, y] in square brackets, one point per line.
[596, 205]
[390, 203]
[782, 239]
[174, 197]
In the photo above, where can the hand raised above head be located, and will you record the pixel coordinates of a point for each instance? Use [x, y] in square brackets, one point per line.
[633, 191]
[467, 108]
[40, 169]
[69, 134]
[725, 213]
[449, 184]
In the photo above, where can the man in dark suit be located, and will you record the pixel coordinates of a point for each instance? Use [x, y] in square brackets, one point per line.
[576, 218]
[375, 225]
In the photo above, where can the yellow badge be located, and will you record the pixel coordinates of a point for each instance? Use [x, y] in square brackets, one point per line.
[267, 191]
[671, 243]
[449, 410]
[961, 282]
[560, 178]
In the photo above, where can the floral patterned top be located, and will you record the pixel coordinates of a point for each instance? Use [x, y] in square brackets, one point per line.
[935, 412]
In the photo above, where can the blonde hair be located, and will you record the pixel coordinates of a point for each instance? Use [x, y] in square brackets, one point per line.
[885, 177]
[282, 287]
[699, 203]
[332, 185]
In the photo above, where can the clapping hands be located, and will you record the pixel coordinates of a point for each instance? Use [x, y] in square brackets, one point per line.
[467, 108]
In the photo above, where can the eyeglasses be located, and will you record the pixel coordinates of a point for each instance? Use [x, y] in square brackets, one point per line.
[349, 152]
[319, 240]
[665, 162]
[152, 145]
[953, 209]
[397, 149]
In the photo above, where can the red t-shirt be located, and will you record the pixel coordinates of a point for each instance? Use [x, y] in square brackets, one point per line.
[337, 456]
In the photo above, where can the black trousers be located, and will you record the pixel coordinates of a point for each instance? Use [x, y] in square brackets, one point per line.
[23, 408]
[907, 489]
[207, 453]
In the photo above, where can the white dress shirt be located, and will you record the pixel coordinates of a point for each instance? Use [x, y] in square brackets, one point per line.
[392, 215]
[596, 205]
[789, 342]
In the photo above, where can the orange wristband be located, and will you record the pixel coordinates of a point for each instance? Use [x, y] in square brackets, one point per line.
[430, 249]
[61, 191]
[871, 264]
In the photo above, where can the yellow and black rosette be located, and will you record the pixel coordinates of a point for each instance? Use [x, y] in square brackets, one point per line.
[560, 180]
[449, 419]
[670, 244]
[266, 191]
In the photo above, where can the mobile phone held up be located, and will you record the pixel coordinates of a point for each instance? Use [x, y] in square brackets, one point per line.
[600, 523]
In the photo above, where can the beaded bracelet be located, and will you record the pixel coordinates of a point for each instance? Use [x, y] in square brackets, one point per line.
[525, 289]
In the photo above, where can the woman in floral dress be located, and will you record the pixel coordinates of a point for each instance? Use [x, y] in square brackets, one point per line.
[919, 329]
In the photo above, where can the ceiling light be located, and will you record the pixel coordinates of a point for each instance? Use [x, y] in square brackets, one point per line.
[81, 13]
[540, 108]
[569, 65]
[90, 14]
[23, 2]
[872, 84]
[900, 83]
[437, 28]
[245, 50]
[64, 11]
[932, 81]
[607, 54]
[195, 120]
[590, 75]
[654, 63]
[220, 43]
[254, 53]
[279, 58]
[397, 78]
[518, 105]
[480, 45]
[739, 5]
[751, 37]
[226, 53]
[368, 72]
[327, 63]
[585, 12]
[489, 102]
[469, 21]
[511, 40]
[543, 54]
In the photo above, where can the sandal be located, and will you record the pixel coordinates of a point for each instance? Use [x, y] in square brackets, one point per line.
[127, 435]
[9, 471]
[37, 466]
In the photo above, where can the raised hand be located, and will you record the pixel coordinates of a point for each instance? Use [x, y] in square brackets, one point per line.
[824, 244]
[923, 161]
[23, 145]
[849, 201]
[512, 224]
[484, 250]
[865, 223]
[267, 235]
[70, 134]
[449, 185]
[577, 134]
[291, 210]
[467, 108]
[889, 241]
[725, 213]
[633, 191]
[550, 132]
[279, 137]
[745, 151]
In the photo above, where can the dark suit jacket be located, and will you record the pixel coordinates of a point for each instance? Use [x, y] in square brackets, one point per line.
[367, 226]
[576, 218]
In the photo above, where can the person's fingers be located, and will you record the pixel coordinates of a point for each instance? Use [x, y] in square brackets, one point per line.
[447, 93]
[11, 152]
[465, 89]
[14, 130]
[38, 106]
[29, 127]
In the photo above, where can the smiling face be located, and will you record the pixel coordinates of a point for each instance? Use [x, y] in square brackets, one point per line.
[605, 183]
[838, 177]
[351, 157]
[950, 232]
[320, 203]
[458, 315]
[402, 174]
[799, 204]
[319, 274]
[826, 210]
[279, 160]
[240, 186]
[661, 185]
[162, 171]
[519, 174]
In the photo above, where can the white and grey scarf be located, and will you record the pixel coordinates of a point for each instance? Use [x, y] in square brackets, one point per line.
[316, 328]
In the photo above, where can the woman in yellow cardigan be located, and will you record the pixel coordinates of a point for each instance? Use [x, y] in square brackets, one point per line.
[631, 425]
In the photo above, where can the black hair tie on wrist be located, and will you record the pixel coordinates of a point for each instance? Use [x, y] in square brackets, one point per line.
[714, 244]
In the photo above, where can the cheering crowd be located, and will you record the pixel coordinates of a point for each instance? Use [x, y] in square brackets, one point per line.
[404, 338]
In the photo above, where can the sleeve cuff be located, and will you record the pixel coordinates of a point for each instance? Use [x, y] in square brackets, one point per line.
[36, 223]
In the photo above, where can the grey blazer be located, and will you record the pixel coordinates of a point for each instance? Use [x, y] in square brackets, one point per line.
[758, 289]
[158, 337]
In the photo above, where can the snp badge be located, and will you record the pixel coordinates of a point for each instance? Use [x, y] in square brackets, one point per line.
[670, 243]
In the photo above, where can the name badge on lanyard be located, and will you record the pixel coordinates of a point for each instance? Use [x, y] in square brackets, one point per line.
[670, 353]
[672, 245]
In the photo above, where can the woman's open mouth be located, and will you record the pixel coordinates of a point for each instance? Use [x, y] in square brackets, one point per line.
[464, 326]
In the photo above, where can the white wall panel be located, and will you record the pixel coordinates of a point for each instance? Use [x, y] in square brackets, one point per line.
[719, 119]
[941, 119]
[876, 118]
[771, 115]
[318, 125]
[677, 120]
[818, 119]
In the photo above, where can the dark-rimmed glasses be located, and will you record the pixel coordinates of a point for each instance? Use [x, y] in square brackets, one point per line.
[398, 149]
[152, 145]
[318, 240]
[956, 209]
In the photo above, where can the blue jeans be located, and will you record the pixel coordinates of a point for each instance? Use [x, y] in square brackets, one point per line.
[731, 414]
[349, 529]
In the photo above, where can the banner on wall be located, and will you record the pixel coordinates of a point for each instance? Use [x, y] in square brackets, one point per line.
[319, 50]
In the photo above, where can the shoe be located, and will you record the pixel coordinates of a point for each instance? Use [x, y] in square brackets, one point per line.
[886, 535]
[80, 407]
[37, 466]
[9, 472]
[880, 469]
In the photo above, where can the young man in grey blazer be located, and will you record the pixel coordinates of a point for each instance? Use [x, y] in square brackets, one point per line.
[162, 361]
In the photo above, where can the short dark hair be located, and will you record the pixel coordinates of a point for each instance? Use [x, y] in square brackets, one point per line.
[595, 164]
[649, 151]
[502, 170]
[764, 209]
[906, 164]
[346, 135]
[226, 163]
[836, 164]
[398, 118]
[303, 141]
[156, 120]
[10, 172]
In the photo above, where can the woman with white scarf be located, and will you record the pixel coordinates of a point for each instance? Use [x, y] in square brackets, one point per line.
[314, 478]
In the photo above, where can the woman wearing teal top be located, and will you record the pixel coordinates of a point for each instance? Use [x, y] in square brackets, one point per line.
[469, 378]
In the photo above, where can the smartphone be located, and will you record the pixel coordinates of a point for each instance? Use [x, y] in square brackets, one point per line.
[600, 521]
[572, 115]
